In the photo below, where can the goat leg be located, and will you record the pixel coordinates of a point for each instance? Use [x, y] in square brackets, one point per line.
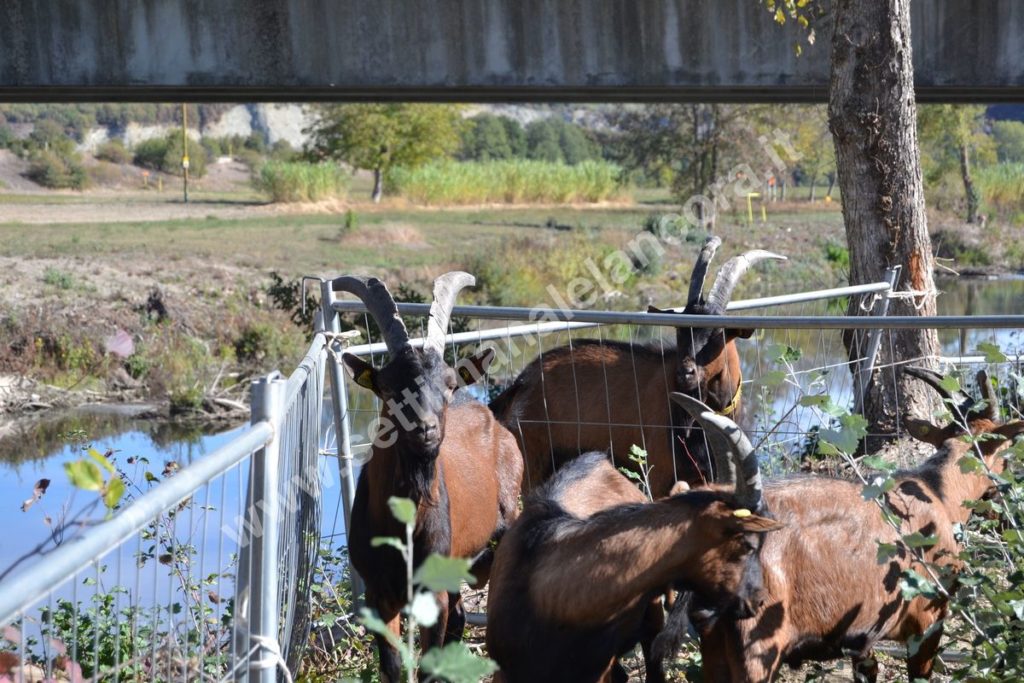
[865, 668]
[434, 636]
[456, 619]
[920, 664]
[390, 660]
[653, 623]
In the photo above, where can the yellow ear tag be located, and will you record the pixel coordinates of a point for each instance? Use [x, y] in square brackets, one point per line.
[742, 512]
[365, 379]
[465, 375]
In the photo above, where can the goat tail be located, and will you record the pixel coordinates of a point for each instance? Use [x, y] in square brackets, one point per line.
[676, 632]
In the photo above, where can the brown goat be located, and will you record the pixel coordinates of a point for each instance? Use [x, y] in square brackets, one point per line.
[576, 579]
[597, 395]
[435, 446]
[826, 594]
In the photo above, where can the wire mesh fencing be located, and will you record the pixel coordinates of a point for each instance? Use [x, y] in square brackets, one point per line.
[197, 571]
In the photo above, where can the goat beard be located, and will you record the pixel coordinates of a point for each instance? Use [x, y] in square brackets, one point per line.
[677, 629]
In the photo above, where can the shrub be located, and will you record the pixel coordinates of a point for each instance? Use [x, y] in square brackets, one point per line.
[113, 151]
[1002, 186]
[294, 181]
[164, 154]
[58, 171]
[150, 153]
[104, 173]
[1009, 136]
[511, 182]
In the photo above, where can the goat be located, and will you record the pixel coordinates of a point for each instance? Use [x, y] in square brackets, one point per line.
[825, 592]
[576, 578]
[598, 395]
[435, 446]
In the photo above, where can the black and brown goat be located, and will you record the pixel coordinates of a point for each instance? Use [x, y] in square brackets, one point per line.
[576, 579]
[599, 395]
[435, 446]
[826, 595]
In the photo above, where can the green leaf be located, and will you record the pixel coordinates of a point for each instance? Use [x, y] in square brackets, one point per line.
[993, 354]
[424, 609]
[103, 462]
[781, 353]
[439, 573]
[403, 509]
[84, 474]
[919, 540]
[970, 463]
[878, 488]
[878, 463]
[816, 401]
[113, 493]
[886, 551]
[913, 585]
[851, 430]
[395, 543]
[950, 383]
[773, 378]
[457, 664]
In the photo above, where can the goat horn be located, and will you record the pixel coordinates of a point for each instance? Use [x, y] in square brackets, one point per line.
[725, 432]
[700, 269]
[446, 289]
[991, 410]
[725, 468]
[961, 401]
[731, 273]
[381, 306]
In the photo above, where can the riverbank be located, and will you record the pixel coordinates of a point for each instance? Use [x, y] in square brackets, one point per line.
[179, 306]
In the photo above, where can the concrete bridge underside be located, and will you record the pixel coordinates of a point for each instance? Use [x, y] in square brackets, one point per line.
[479, 50]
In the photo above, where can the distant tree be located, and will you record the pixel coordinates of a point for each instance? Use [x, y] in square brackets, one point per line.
[813, 143]
[555, 140]
[542, 141]
[378, 137]
[516, 135]
[955, 135]
[1009, 139]
[576, 146]
[485, 137]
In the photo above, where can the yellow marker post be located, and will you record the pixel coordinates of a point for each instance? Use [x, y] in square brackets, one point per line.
[750, 206]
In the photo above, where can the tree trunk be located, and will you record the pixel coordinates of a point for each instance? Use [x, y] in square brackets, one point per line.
[782, 189]
[969, 189]
[831, 185]
[378, 185]
[873, 119]
[814, 185]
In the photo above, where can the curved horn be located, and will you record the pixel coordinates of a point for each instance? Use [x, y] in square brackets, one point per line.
[381, 306]
[731, 273]
[446, 288]
[723, 432]
[700, 269]
[962, 403]
[991, 409]
[725, 468]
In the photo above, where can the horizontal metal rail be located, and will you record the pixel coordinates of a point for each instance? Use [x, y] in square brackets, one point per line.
[795, 322]
[23, 589]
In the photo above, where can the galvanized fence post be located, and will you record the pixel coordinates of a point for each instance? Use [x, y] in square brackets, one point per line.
[268, 395]
[339, 403]
[866, 367]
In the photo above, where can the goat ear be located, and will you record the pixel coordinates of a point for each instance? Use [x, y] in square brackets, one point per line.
[925, 431]
[679, 487]
[472, 369]
[360, 371]
[753, 524]
[1010, 430]
[731, 334]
